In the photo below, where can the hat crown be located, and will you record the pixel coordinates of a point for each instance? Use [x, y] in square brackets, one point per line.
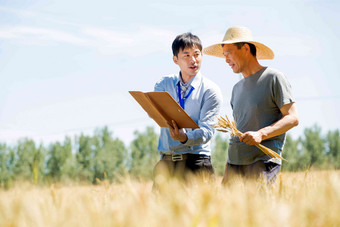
[237, 34]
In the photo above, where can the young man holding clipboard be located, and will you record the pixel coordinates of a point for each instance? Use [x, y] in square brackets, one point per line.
[187, 151]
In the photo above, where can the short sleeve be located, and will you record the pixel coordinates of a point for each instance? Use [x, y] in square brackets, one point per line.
[282, 91]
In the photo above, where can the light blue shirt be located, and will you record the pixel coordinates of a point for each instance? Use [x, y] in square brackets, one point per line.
[203, 106]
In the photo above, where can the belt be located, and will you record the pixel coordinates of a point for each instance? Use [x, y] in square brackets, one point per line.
[181, 157]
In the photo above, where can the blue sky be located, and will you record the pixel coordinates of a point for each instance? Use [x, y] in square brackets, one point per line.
[66, 66]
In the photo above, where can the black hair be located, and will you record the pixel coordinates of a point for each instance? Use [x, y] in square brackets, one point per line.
[251, 46]
[185, 40]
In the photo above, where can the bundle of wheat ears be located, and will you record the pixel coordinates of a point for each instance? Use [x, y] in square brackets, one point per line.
[225, 125]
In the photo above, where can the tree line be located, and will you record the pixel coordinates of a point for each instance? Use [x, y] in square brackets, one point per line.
[92, 159]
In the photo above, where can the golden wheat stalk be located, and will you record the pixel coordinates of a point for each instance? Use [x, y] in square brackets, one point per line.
[225, 125]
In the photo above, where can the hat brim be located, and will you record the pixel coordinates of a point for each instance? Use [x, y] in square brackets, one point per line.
[262, 51]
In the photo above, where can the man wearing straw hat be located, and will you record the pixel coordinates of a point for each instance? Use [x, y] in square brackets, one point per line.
[262, 103]
[186, 151]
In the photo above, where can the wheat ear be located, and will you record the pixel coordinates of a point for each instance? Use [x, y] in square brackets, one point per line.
[225, 125]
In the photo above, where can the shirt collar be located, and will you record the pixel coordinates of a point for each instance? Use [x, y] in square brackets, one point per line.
[195, 81]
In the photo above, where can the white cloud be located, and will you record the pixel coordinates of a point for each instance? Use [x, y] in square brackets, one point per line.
[39, 36]
[293, 45]
[17, 11]
[289, 45]
[139, 42]
[108, 36]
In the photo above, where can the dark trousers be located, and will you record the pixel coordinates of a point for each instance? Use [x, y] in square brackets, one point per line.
[260, 169]
[194, 165]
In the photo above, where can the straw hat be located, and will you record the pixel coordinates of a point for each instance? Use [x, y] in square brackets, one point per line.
[235, 35]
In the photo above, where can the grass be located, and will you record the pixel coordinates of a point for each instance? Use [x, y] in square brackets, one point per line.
[297, 199]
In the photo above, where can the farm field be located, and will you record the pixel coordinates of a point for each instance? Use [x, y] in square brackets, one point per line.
[297, 199]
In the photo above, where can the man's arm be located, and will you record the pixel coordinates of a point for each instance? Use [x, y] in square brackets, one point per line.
[208, 115]
[289, 120]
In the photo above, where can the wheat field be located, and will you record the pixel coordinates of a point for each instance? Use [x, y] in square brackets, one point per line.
[297, 199]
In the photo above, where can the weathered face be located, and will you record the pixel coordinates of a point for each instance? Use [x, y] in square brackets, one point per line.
[234, 57]
[189, 61]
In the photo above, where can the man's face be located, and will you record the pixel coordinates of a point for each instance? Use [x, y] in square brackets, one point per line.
[189, 61]
[234, 57]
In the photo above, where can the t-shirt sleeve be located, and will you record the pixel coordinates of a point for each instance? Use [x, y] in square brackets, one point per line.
[282, 93]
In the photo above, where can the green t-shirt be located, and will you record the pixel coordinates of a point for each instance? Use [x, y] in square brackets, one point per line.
[256, 102]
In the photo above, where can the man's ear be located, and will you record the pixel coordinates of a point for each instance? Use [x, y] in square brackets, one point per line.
[174, 58]
[247, 47]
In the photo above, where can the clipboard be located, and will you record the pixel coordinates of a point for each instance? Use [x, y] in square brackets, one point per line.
[163, 108]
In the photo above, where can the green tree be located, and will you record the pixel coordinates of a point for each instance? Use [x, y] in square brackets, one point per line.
[313, 147]
[219, 153]
[144, 154]
[29, 161]
[333, 147]
[6, 166]
[292, 154]
[59, 164]
[110, 156]
[38, 164]
[84, 158]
